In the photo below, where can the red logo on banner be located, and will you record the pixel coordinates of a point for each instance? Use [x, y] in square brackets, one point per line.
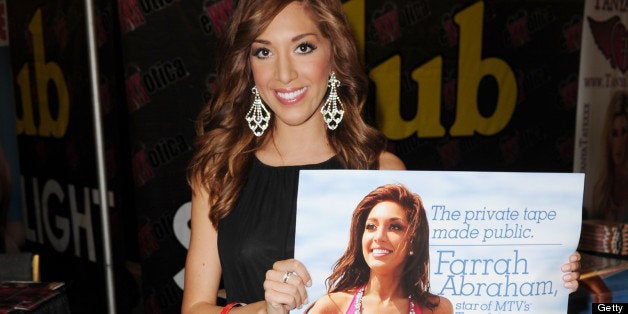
[130, 15]
[611, 37]
[387, 26]
[449, 94]
[568, 91]
[450, 154]
[451, 30]
[219, 14]
[511, 151]
[4, 32]
[61, 31]
[142, 172]
[572, 32]
[137, 96]
[518, 30]
[147, 242]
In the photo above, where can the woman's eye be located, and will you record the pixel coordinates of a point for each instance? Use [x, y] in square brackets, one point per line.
[262, 53]
[370, 227]
[396, 227]
[305, 48]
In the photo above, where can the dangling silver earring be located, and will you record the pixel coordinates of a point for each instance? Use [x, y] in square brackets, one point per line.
[258, 116]
[332, 109]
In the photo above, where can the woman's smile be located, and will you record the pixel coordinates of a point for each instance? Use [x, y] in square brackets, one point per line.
[380, 252]
[290, 96]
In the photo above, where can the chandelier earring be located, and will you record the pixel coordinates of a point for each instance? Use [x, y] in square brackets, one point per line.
[332, 109]
[258, 116]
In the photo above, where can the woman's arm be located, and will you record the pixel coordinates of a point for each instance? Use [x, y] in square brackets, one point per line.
[202, 266]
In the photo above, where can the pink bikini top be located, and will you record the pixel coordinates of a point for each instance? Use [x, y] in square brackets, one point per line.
[351, 309]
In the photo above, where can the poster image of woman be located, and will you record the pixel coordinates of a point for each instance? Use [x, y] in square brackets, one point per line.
[385, 268]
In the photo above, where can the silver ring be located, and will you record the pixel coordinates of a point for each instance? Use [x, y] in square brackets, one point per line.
[286, 276]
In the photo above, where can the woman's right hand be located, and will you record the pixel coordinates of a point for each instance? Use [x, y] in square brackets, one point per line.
[284, 286]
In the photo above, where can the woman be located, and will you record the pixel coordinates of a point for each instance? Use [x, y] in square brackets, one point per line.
[277, 108]
[610, 196]
[386, 265]
[246, 170]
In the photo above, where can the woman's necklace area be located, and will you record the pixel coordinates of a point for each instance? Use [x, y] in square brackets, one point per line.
[358, 305]
[283, 162]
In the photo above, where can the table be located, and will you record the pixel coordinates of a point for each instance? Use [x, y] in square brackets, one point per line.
[603, 279]
[33, 297]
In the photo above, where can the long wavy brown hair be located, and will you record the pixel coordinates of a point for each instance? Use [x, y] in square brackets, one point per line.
[351, 271]
[603, 200]
[225, 145]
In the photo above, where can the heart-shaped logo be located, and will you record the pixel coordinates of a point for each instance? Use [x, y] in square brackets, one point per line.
[611, 38]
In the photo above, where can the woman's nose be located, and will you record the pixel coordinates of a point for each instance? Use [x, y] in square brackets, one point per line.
[285, 71]
[380, 234]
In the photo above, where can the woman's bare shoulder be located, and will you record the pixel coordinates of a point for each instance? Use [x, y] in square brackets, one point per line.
[389, 161]
[335, 302]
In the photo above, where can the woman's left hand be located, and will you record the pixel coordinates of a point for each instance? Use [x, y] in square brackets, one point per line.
[572, 272]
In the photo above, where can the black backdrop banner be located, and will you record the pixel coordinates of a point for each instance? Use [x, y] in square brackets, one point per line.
[168, 48]
[472, 85]
[57, 151]
[456, 85]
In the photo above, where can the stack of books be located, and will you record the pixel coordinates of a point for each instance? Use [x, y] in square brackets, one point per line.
[604, 237]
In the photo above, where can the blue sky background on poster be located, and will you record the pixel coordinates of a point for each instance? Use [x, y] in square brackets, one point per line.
[327, 199]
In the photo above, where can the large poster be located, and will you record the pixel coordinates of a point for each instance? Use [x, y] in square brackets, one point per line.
[601, 145]
[496, 240]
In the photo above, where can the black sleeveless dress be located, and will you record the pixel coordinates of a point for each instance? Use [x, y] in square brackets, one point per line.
[261, 228]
